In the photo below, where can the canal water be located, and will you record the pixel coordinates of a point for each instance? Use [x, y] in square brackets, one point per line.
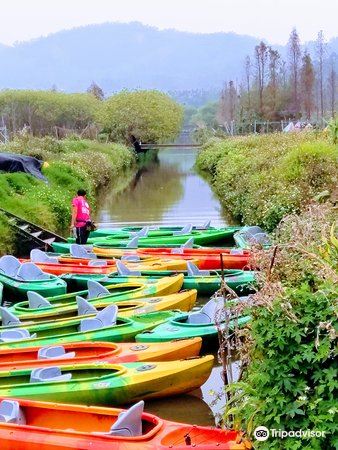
[167, 190]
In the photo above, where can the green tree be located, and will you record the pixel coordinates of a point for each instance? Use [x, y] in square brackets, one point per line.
[151, 116]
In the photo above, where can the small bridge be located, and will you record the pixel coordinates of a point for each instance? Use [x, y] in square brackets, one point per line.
[158, 146]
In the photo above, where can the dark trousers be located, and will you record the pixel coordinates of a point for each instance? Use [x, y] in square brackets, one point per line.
[82, 235]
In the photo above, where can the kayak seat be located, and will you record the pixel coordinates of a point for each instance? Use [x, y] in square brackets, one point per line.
[47, 374]
[9, 265]
[36, 301]
[124, 271]
[133, 243]
[236, 251]
[185, 230]
[207, 313]
[56, 351]
[254, 230]
[188, 244]
[15, 335]
[194, 271]
[30, 272]
[98, 263]
[96, 290]
[8, 318]
[142, 233]
[38, 256]
[132, 258]
[83, 307]
[206, 224]
[129, 423]
[105, 318]
[79, 251]
[10, 412]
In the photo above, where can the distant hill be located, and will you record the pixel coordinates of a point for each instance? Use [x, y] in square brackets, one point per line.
[118, 56]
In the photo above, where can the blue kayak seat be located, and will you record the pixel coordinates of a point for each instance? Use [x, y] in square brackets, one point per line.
[98, 263]
[188, 244]
[129, 423]
[207, 313]
[154, 227]
[185, 230]
[57, 351]
[9, 265]
[80, 251]
[16, 334]
[36, 301]
[124, 271]
[194, 271]
[38, 256]
[10, 412]
[48, 374]
[8, 318]
[83, 307]
[132, 258]
[96, 290]
[133, 243]
[105, 318]
[30, 272]
[236, 251]
[142, 233]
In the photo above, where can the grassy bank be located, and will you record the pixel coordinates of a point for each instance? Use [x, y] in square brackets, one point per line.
[72, 163]
[260, 179]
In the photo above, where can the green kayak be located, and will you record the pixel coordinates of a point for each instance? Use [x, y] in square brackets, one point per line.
[96, 293]
[17, 279]
[77, 329]
[240, 281]
[179, 328]
[105, 384]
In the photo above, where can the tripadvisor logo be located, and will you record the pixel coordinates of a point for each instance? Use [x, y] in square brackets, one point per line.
[262, 433]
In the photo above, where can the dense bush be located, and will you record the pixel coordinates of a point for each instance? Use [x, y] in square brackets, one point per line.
[72, 164]
[149, 115]
[260, 179]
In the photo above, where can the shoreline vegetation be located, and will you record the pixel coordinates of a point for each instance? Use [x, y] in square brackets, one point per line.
[287, 184]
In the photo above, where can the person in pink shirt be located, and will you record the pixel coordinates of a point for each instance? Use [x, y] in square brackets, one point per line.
[81, 217]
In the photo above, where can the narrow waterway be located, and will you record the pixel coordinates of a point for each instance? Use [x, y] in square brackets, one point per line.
[167, 190]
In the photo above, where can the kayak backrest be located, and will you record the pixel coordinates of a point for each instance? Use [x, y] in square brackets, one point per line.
[10, 412]
[15, 335]
[38, 256]
[47, 374]
[194, 271]
[79, 251]
[30, 272]
[123, 270]
[9, 265]
[188, 244]
[84, 307]
[133, 243]
[207, 313]
[98, 263]
[8, 318]
[57, 351]
[236, 251]
[185, 230]
[105, 318]
[132, 258]
[129, 423]
[206, 224]
[96, 290]
[36, 301]
[143, 232]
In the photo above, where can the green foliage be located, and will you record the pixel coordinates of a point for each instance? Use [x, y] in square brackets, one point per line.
[333, 127]
[260, 179]
[205, 116]
[72, 164]
[149, 115]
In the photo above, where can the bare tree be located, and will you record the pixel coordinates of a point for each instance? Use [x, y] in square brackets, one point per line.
[294, 60]
[307, 76]
[332, 84]
[248, 71]
[321, 50]
[261, 57]
[274, 62]
[95, 90]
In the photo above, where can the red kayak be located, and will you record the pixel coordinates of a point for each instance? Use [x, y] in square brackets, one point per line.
[209, 258]
[34, 425]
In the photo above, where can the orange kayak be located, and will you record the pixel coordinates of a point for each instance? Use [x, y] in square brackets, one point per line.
[56, 426]
[105, 352]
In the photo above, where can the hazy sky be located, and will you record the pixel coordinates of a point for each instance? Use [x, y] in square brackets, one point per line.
[271, 19]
